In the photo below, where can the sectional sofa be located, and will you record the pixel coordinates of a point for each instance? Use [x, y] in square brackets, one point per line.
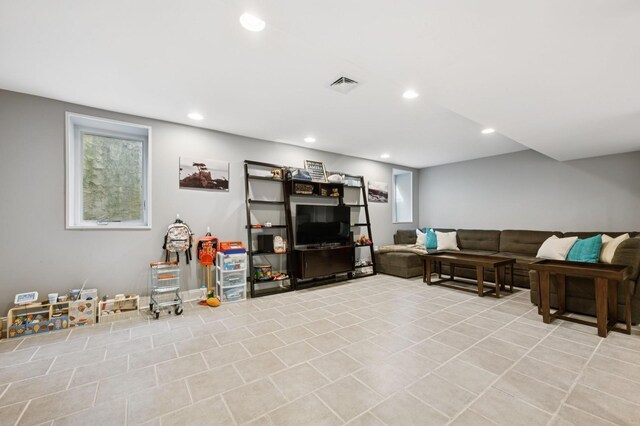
[401, 260]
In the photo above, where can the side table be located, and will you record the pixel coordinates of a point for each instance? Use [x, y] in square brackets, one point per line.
[606, 278]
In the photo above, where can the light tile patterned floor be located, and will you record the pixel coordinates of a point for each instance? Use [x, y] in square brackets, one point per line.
[374, 351]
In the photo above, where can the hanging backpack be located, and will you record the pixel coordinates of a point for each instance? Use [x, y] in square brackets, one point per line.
[207, 249]
[177, 240]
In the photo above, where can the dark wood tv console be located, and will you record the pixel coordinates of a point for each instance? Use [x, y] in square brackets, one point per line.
[324, 261]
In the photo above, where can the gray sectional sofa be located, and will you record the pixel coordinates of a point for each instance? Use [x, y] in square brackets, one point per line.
[522, 245]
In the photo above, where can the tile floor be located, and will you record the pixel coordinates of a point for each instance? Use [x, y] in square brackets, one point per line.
[374, 351]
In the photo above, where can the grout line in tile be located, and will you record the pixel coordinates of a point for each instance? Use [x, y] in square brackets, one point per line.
[582, 411]
[4, 392]
[612, 373]
[24, 410]
[575, 382]
[224, 401]
[490, 386]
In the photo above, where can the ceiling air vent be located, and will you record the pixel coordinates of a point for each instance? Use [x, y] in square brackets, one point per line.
[343, 85]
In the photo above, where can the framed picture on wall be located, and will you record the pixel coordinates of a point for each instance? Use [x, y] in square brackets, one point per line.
[378, 192]
[204, 173]
[316, 170]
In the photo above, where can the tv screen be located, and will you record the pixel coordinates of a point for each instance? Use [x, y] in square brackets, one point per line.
[322, 224]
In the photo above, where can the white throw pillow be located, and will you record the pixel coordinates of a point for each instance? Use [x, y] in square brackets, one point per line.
[556, 248]
[421, 237]
[447, 241]
[609, 246]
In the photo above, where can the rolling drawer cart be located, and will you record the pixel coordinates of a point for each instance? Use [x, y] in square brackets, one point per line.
[231, 274]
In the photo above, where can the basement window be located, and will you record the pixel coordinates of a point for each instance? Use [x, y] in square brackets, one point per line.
[402, 196]
[108, 174]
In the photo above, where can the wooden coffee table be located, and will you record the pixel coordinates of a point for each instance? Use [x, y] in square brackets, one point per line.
[606, 278]
[479, 261]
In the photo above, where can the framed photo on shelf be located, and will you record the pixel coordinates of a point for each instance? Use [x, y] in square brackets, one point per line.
[316, 170]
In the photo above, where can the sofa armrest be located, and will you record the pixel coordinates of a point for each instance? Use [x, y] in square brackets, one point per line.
[628, 253]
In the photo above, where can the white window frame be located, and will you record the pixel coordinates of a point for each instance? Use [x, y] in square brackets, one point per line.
[396, 172]
[76, 126]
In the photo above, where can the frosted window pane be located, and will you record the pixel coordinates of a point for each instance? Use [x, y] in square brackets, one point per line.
[112, 179]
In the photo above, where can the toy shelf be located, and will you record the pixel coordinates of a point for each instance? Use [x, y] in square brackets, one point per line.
[37, 318]
[118, 309]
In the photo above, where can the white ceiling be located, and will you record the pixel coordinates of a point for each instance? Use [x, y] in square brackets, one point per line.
[558, 76]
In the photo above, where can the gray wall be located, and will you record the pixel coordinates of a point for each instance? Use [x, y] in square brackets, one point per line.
[527, 190]
[38, 253]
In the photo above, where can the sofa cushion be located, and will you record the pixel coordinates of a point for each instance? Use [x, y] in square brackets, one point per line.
[432, 240]
[400, 264]
[405, 236]
[421, 238]
[628, 253]
[524, 242]
[556, 248]
[609, 247]
[583, 235]
[477, 239]
[586, 250]
[447, 240]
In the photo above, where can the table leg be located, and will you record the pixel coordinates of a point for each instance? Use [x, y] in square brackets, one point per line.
[511, 282]
[503, 277]
[612, 298]
[498, 271]
[601, 305]
[539, 298]
[439, 270]
[543, 290]
[480, 278]
[627, 305]
[426, 267]
[560, 286]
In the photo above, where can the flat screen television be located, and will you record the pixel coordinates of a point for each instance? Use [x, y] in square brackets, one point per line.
[318, 225]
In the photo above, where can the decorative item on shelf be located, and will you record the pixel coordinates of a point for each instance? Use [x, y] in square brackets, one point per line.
[279, 244]
[352, 181]
[262, 272]
[279, 276]
[335, 178]
[363, 241]
[316, 170]
[267, 225]
[300, 174]
[276, 174]
[335, 192]
[26, 298]
[302, 189]
[324, 192]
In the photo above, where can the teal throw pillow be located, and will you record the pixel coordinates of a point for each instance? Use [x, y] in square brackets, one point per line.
[587, 250]
[431, 241]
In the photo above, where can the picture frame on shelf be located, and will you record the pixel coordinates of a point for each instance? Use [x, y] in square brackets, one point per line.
[316, 170]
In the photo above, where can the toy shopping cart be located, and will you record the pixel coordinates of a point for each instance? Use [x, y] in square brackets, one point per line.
[165, 288]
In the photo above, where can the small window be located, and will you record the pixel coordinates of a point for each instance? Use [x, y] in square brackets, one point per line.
[402, 196]
[108, 174]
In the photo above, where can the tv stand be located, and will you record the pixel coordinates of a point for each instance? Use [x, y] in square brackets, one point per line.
[324, 261]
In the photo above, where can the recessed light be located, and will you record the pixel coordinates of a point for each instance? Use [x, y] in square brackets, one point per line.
[410, 94]
[488, 131]
[195, 116]
[309, 139]
[385, 156]
[251, 22]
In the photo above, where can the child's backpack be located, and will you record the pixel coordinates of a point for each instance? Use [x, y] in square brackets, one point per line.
[177, 240]
[207, 249]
